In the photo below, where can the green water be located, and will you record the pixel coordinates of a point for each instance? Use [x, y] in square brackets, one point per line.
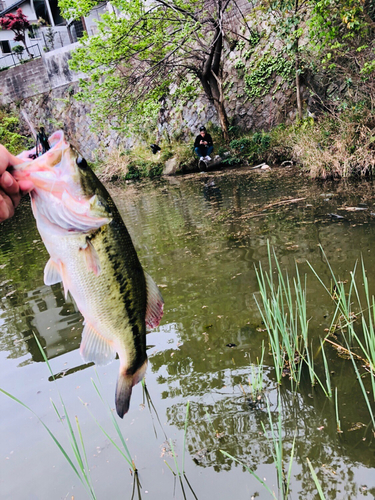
[199, 237]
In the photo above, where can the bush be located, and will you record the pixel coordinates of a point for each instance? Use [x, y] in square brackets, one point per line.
[248, 149]
[334, 146]
[10, 135]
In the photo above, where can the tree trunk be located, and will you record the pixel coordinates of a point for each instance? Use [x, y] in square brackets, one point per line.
[297, 66]
[223, 119]
[211, 81]
[298, 89]
[27, 48]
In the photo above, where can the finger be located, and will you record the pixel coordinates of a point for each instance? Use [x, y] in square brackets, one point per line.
[7, 159]
[9, 184]
[26, 186]
[6, 207]
[11, 188]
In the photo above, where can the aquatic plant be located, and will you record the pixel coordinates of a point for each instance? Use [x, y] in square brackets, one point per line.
[277, 450]
[181, 473]
[256, 379]
[82, 469]
[77, 443]
[272, 493]
[316, 481]
[338, 423]
[274, 437]
[358, 336]
[283, 311]
[126, 453]
[326, 369]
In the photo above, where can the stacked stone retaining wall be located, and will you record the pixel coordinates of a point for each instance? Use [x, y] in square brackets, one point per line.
[44, 88]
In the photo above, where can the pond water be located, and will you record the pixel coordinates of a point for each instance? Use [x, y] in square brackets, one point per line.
[200, 238]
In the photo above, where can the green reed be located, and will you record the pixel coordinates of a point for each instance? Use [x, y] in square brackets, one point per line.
[256, 378]
[316, 481]
[181, 474]
[338, 422]
[80, 454]
[82, 469]
[272, 493]
[360, 334]
[364, 391]
[284, 314]
[326, 369]
[275, 439]
[277, 450]
[126, 453]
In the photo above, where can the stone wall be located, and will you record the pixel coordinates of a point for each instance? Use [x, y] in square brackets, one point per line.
[45, 89]
[23, 81]
[58, 109]
[38, 76]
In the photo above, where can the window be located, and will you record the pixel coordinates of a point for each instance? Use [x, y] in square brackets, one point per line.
[5, 47]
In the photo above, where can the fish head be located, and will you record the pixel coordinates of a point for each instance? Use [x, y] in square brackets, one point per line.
[67, 192]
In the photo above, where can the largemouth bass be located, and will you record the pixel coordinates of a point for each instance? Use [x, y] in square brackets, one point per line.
[92, 254]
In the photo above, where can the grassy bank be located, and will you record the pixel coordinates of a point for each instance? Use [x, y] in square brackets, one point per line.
[326, 147]
[331, 146]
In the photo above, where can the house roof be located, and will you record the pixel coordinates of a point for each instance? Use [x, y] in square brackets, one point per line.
[12, 7]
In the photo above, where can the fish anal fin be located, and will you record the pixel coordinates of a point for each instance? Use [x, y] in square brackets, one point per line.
[91, 257]
[96, 348]
[124, 387]
[52, 274]
[155, 303]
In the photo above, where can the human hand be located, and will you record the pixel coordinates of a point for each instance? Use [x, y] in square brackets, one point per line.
[10, 190]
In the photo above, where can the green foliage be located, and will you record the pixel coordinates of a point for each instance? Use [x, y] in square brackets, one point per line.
[248, 149]
[10, 135]
[18, 49]
[341, 36]
[140, 58]
[75, 9]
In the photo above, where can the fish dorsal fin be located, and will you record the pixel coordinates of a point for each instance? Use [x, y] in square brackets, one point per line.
[52, 273]
[155, 303]
[91, 257]
[96, 348]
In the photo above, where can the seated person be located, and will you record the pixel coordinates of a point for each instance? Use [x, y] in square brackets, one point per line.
[203, 145]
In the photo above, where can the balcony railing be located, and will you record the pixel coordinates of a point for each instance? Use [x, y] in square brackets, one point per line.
[41, 40]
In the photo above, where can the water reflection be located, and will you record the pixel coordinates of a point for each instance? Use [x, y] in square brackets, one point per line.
[200, 238]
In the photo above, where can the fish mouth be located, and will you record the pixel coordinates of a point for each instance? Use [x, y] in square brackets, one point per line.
[43, 171]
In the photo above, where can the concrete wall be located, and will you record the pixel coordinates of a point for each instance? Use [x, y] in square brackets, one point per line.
[23, 81]
[37, 76]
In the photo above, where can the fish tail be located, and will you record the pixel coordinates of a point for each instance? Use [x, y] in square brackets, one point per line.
[124, 387]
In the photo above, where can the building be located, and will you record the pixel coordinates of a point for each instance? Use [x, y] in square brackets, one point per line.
[49, 29]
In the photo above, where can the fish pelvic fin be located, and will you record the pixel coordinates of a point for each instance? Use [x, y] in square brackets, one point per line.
[96, 348]
[124, 387]
[155, 303]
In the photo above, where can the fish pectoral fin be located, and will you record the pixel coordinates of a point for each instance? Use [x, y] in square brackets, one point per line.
[155, 303]
[91, 257]
[96, 348]
[52, 274]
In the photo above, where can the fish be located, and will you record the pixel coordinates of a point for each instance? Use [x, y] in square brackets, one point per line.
[92, 254]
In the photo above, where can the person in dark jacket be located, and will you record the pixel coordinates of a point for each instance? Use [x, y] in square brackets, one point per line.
[203, 145]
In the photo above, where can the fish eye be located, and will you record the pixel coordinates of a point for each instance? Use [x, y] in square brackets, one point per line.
[81, 162]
